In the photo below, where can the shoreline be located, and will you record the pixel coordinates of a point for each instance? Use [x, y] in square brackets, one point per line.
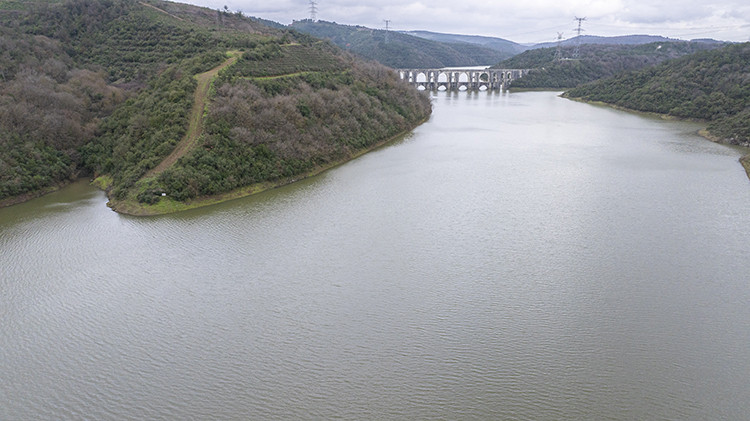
[167, 206]
[25, 197]
[743, 160]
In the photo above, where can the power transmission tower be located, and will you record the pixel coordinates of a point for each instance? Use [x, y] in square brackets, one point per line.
[558, 52]
[313, 10]
[578, 38]
[387, 28]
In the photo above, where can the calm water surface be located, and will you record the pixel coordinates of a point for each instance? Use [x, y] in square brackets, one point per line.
[519, 256]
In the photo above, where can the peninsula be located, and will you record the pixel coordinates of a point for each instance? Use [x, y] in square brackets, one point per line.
[169, 106]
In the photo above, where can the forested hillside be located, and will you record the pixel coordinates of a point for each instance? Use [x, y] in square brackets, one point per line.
[108, 88]
[400, 50]
[304, 107]
[711, 85]
[593, 62]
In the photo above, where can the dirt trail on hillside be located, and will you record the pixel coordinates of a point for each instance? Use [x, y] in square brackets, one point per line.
[195, 127]
[161, 10]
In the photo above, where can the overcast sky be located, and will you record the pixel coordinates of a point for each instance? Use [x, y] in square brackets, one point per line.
[523, 21]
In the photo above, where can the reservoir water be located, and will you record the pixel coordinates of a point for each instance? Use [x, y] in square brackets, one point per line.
[519, 256]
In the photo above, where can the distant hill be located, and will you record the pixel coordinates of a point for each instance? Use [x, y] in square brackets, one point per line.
[616, 40]
[508, 47]
[709, 85]
[269, 23]
[169, 105]
[400, 50]
[595, 61]
[514, 48]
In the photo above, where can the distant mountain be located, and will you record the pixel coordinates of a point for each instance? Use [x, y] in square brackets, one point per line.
[499, 44]
[400, 50]
[514, 48]
[594, 61]
[618, 40]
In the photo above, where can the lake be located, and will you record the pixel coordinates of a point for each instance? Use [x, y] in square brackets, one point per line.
[518, 256]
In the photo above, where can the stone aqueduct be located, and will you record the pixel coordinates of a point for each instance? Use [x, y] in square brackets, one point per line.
[452, 79]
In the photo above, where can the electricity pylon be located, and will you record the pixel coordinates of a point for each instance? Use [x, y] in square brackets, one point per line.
[558, 52]
[313, 10]
[578, 38]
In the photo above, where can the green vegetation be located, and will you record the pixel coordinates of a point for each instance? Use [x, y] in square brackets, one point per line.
[48, 109]
[400, 50]
[713, 86]
[593, 63]
[106, 87]
[262, 128]
[66, 68]
[142, 132]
